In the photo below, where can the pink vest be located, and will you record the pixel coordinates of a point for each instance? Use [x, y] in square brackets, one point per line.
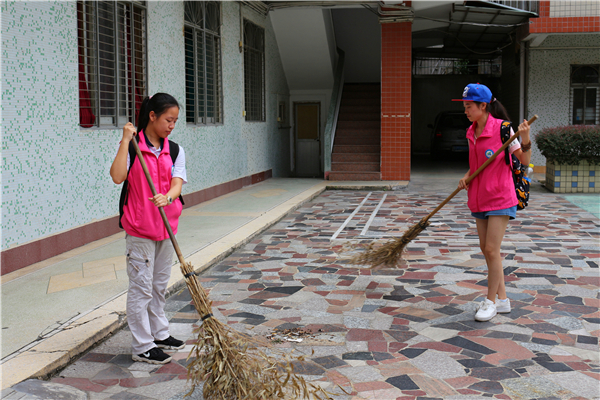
[141, 218]
[493, 188]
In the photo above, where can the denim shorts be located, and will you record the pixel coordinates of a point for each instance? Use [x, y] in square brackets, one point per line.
[511, 212]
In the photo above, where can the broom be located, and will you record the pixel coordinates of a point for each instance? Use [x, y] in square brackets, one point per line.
[389, 254]
[224, 360]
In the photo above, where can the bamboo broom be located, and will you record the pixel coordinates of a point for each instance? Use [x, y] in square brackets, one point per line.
[225, 361]
[389, 254]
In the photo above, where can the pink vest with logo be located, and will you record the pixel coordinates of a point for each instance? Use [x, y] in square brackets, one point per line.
[493, 188]
[141, 218]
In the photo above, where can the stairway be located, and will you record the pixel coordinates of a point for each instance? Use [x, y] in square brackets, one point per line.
[357, 146]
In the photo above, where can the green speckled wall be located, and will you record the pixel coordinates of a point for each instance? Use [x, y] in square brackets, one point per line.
[55, 174]
[549, 81]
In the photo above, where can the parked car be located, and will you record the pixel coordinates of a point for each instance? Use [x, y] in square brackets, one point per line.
[449, 133]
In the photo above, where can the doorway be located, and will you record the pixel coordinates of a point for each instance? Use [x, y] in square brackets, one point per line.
[307, 117]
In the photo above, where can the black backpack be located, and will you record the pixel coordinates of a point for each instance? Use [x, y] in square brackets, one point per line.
[518, 170]
[173, 150]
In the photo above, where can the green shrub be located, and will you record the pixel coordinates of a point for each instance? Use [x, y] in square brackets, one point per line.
[570, 144]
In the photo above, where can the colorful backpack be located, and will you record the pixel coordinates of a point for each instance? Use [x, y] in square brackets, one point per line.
[521, 181]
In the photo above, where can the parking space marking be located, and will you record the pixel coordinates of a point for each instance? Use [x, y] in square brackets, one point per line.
[366, 228]
[341, 228]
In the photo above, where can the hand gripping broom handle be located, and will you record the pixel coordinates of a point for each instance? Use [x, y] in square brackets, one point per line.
[485, 164]
[162, 211]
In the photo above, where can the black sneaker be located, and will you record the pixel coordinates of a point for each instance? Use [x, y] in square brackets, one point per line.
[170, 343]
[153, 356]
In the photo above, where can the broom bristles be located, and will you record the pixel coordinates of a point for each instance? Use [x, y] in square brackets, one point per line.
[231, 365]
[231, 369]
[388, 255]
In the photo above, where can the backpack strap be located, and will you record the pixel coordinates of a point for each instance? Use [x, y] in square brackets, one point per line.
[505, 135]
[132, 153]
[125, 189]
[173, 151]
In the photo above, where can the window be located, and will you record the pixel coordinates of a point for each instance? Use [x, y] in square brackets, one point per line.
[203, 83]
[585, 94]
[111, 38]
[525, 5]
[254, 71]
[456, 66]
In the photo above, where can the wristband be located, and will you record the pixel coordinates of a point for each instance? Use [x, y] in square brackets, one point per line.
[526, 147]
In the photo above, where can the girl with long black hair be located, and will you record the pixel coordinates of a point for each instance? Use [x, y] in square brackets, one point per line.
[491, 194]
[148, 247]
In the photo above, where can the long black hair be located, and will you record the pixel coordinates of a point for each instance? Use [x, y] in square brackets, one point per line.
[496, 109]
[159, 103]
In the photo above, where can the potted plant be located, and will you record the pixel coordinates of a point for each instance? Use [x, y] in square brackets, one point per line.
[572, 158]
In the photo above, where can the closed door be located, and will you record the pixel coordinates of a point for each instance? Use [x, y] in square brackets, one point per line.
[308, 143]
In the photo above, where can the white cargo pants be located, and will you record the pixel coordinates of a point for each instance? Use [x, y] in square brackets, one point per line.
[149, 269]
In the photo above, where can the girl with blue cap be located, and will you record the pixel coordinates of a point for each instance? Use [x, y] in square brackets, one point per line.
[491, 194]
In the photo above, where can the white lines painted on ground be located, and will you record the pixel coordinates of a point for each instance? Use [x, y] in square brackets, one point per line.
[350, 217]
[366, 228]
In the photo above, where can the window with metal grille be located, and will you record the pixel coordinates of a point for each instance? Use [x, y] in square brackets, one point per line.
[585, 95]
[112, 50]
[456, 66]
[203, 83]
[254, 71]
[525, 5]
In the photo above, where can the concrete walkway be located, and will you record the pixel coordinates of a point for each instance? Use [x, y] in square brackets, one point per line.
[56, 309]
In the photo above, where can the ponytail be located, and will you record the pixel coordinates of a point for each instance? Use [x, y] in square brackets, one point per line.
[159, 103]
[143, 115]
[497, 110]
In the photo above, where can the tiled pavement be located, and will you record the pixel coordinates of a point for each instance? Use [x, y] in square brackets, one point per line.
[406, 333]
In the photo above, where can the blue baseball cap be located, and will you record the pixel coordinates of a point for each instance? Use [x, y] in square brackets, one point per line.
[476, 92]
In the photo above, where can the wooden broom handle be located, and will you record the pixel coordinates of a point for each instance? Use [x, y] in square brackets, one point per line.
[485, 164]
[154, 193]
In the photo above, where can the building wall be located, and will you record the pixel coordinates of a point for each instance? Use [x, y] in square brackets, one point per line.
[307, 46]
[358, 33]
[55, 174]
[566, 16]
[396, 73]
[549, 79]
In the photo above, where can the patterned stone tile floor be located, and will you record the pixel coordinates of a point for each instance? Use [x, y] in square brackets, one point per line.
[404, 333]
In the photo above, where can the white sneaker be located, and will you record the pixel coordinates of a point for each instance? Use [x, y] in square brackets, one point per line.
[486, 311]
[503, 307]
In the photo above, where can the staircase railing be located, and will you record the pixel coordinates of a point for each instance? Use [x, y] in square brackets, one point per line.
[334, 110]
